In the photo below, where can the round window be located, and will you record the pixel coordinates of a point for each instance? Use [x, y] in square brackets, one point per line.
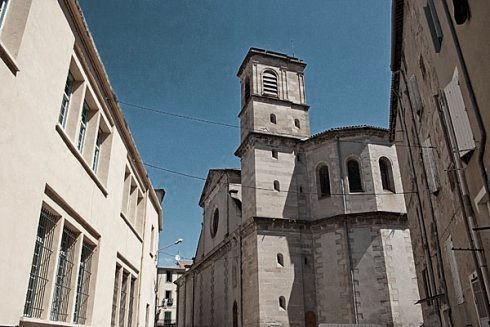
[215, 222]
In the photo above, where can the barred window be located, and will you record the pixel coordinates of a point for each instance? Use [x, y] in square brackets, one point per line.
[114, 296]
[83, 285]
[269, 79]
[41, 259]
[122, 300]
[131, 301]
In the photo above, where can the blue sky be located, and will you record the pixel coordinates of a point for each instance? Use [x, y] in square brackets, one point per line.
[181, 56]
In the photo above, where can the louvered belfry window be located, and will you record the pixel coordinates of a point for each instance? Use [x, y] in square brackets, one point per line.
[270, 83]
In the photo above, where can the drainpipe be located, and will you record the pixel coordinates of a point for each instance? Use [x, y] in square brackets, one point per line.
[241, 282]
[420, 215]
[474, 237]
[474, 102]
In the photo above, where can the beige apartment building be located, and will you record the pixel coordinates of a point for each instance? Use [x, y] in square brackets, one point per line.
[80, 218]
[440, 118]
[311, 231]
[167, 295]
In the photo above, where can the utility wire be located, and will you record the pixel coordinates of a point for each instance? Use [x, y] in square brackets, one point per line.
[213, 122]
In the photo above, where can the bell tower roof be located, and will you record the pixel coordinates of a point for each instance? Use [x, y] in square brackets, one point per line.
[271, 54]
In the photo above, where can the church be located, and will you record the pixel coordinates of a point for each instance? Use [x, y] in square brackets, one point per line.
[311, 231]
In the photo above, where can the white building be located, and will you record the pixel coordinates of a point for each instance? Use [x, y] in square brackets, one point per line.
[80, 218]
[167, 295]
[311, 230]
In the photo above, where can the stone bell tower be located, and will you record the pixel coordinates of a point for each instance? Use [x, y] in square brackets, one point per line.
[273, 118]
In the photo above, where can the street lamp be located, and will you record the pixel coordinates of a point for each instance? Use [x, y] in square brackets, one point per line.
[178, 241]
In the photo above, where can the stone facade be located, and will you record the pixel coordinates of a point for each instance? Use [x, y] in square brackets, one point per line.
[296, 238]
[438, 117]
[80, 218]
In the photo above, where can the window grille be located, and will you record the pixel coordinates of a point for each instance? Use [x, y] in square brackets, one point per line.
[270, 83]
[65, 103]
[98, 142]
[114, 297]
[354, 173]
[122, 302]
[40, 265]
[83, 127]
[324, 180]
[83, 284]
[131, 302]
[62, 289]
[3, 11]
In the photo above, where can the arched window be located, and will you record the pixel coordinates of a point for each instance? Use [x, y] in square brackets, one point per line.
[276, 186]
[354, 174]
[215, 222]
[269, 79]
[386, 174]
[273, 119]
[282, 303]
[323, 182]
[297, 123]
[247, 88]
[280, 260]
[235, 314]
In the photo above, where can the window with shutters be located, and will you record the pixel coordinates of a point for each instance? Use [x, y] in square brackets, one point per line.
[479, 299]
[269, 83]
[354, 175]
[434, 25]
[453, 265]
[323, 181]
[430, 166]
[414, 95]
[459, 118]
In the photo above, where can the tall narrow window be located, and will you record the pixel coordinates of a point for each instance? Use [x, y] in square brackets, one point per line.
[297, 124]
[275, 154]
[131, 301]
[269, 79]
[114, 296]
[273, 119]
[169, 276]
[277, 187]
[123, 299]
[98, 143]
[83, 284]
[40, 265]
[215, 222]
[354, 174]
[280, 260]
[59, 309]
[83, 127]
[386, 174]
[65, 103]
[323, 181]
[235, 314]
[3, 11]
[167, 318]
[434, 25]
[247, 89]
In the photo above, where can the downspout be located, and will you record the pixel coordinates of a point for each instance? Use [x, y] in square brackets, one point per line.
[346, 230]
[141, 262]
[193, 296]
[470, 222]
[241, 282]
[474, 102]
[422, 227]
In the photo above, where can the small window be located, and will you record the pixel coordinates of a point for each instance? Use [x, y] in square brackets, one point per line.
[306, 261]
[247, 89]
[323, 182]
[269, 79]
[434, 25]
[215, 222]
[169, 276]
[386, 174]
[300, 189]
[280, 260]
[276, 186]
[297, 123]
[354, 175]
[3, 11]
[273, 119]
[275, 154]
[282, 303]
